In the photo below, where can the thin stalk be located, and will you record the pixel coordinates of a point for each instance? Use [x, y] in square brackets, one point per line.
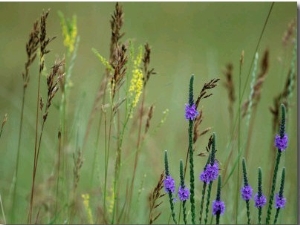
[3, 214]
[18, 156]
[36, 139]
[58, 171]
[273, 187]
[118, 164]
[239, 144]
[207, 201]
[202, 202]
[250, 132]
[192, 184]
[106, 157]
[138, 146]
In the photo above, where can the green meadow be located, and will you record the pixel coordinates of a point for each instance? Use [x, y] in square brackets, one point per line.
[86, 117]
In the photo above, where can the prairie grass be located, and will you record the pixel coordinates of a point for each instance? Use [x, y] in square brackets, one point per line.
[106, 148]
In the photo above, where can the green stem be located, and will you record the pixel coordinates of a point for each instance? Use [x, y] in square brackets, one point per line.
[18, 156]
[239, 145]
[202, 201]
[207, 202]
[273, 187]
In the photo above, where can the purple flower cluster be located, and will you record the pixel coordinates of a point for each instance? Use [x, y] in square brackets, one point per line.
[218, 207]
[260, 201]
[183, 193]
[210, 173]
[246, 192]
[169, 184]
[191, 112]
[279, 201]
[281, 142]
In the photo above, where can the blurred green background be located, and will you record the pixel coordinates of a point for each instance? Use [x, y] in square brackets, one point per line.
[186, 38]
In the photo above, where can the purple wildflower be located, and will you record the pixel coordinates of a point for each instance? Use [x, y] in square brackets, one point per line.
[260, 201]
[191, 112]
[246, 192]
[183, 193]
[281, 142]
[210, 173]
[218, 207]
[169, 184]
[279, 201]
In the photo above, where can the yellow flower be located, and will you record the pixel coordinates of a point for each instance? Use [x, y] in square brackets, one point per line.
[136, 84]
[86, 203]
[69, 31]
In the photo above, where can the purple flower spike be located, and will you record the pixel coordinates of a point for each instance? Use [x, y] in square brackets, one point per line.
[218, 207]
[183, 193]
[203, 177]
[246, 192]
[260, 201]
[169, 184]
[279, 201]
[210, 173]
[191, 112]
[281, 142]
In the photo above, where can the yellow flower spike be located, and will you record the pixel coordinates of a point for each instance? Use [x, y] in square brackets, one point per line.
[86, 203]
[69, 31]
[136, 84]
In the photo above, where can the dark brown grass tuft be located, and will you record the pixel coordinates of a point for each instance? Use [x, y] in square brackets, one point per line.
[120, 59]
[150, 114]
[116, 23]
[154, 196]
[146, 61]
[44, 40]
[31, 48]
[53, 81]
[207, 86]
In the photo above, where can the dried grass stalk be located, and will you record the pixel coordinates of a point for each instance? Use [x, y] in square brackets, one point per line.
[154, 196]
[259, 84]
[207, 86]
[146, 61]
